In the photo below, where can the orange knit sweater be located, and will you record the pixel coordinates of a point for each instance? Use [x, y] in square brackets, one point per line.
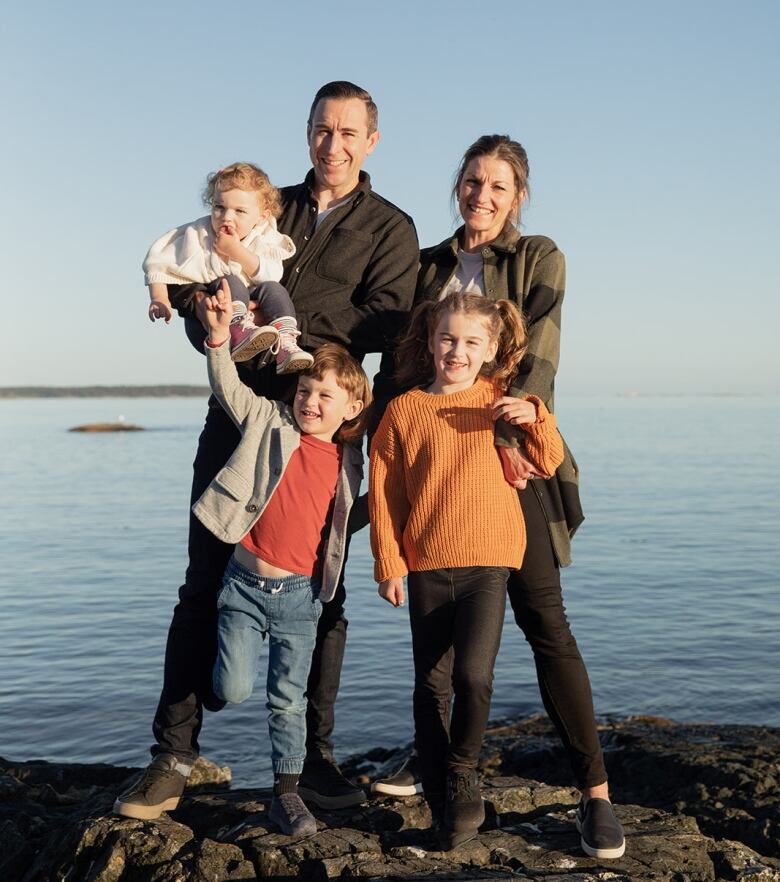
[437, 494]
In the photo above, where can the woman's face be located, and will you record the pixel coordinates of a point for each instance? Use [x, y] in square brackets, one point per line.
[487, 197]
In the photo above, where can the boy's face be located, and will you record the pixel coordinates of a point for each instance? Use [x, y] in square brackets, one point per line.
[239, 211]
[321, 406]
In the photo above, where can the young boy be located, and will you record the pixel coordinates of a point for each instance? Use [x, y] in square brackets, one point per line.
[284, 497]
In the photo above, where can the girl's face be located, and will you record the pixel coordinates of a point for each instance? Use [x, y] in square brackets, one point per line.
[460, 345]
[488, 197]
[237, 212]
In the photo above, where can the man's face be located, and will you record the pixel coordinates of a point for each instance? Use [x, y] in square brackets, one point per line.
[339, 143]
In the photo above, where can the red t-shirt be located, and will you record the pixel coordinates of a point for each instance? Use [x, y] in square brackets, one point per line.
[291, 532]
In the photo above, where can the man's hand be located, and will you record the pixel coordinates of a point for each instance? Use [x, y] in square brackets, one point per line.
[160, 310]
[392, 590]
[517, 469]
[513, 410]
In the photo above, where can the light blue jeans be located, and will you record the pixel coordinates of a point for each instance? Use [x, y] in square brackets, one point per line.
[286, 610]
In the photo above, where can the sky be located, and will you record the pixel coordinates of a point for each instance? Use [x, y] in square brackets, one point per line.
[652, 130]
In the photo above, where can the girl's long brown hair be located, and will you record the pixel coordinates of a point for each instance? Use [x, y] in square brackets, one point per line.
[503, 321]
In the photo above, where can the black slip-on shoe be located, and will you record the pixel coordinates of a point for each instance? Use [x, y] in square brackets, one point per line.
[405, 782]
[601, 835]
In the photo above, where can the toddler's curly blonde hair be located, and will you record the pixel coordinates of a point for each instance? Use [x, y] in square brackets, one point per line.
[244, 176]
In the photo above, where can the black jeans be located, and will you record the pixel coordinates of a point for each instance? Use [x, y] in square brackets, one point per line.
[192, 637]
[537, 603]
[456, 617]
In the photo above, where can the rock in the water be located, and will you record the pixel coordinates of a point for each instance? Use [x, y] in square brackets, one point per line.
[107, 427]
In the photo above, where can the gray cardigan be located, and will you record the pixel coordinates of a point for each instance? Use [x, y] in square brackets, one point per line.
[239, 493]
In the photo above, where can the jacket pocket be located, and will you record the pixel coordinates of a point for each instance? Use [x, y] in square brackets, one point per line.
[234, 484]
[345, 256]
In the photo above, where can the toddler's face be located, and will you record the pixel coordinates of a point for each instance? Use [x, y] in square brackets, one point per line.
[237, 212]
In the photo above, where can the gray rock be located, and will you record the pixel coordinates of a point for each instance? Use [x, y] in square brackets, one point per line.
[705, 796]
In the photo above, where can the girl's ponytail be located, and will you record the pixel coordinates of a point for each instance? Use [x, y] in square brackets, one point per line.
[512, 343]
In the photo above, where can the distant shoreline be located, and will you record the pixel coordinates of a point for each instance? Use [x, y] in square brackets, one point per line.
[104, 392]
[188, 391]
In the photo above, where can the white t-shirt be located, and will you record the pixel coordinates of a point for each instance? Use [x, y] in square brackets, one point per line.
[469, 276]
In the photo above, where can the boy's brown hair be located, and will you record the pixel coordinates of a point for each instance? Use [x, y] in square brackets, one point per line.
[351, 377]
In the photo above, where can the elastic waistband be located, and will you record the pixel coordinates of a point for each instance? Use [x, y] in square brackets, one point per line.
[265, 583]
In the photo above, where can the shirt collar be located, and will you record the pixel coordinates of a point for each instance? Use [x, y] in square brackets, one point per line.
[363, 187]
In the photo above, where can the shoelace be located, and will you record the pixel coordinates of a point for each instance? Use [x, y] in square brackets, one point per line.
[293, 806]
[285, 340]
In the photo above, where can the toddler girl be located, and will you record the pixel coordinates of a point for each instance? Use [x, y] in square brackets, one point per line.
[442, 513]
[239, 242]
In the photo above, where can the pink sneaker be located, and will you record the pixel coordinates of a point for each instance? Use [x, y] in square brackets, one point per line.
[290, 358]
[246, 339]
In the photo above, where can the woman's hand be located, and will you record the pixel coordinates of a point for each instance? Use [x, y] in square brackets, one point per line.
[517, 469]
[513, 410]
[392, 590]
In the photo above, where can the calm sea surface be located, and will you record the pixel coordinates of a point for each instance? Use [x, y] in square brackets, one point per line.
[673, 595]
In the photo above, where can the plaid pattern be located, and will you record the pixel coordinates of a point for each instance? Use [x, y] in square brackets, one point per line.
[530, 271]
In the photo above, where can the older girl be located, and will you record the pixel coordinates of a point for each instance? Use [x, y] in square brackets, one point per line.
[442, 513]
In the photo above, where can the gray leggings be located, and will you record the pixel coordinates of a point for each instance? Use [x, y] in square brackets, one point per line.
[273, 299]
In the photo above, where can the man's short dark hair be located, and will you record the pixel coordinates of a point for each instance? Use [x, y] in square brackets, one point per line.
[342, 90]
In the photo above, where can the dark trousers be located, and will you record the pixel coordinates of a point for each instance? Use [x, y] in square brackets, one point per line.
[537, 603]
[192, 637]
[456, 617]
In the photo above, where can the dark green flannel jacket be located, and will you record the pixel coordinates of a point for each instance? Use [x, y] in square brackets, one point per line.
[531, 272]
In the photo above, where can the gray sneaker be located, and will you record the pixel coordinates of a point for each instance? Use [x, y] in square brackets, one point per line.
[157, 790]
[292, 817]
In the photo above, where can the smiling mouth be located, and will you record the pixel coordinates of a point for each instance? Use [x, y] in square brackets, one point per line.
[333, 163]
[475, 209]
[310, 414]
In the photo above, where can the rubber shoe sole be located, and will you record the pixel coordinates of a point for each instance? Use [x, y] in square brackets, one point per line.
[144, 812]
[345, 800]
[261, 341]
[385, 787]
[295, 363]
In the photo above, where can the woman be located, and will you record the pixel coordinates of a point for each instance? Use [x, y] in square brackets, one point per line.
[489, 256]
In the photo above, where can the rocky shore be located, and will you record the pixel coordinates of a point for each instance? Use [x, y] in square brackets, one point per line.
[698, 802]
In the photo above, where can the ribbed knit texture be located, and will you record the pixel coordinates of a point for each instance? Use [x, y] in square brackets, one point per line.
[437, 493]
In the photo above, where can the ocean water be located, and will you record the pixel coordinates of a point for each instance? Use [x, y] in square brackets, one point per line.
[673, 595]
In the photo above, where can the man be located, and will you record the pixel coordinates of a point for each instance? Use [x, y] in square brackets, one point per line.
[351, 280]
